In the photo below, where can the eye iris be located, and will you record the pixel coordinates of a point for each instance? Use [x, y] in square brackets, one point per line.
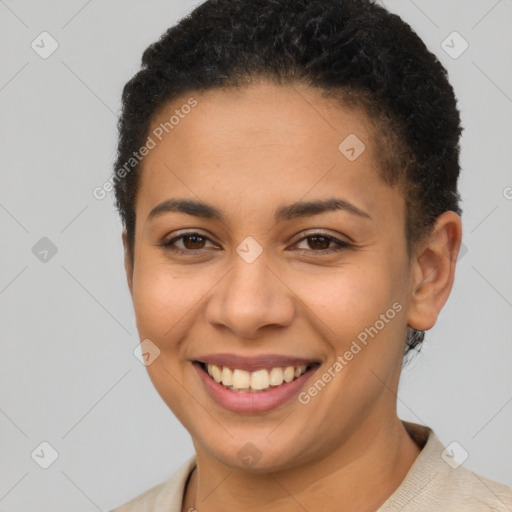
[324, 242]
[196, 239]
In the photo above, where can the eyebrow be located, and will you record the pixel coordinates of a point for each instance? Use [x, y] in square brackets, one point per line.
[284, 213]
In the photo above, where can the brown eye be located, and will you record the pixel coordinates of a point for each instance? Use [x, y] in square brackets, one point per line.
[318, 242]
[193, 241]
[187, 243]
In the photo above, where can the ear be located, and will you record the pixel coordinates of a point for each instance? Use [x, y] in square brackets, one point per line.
[434, 271]
[128, 262]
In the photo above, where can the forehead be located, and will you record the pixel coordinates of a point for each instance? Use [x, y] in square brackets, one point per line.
[259, 116]
[259, 145]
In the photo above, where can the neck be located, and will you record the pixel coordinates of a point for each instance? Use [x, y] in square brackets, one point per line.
[358, 476]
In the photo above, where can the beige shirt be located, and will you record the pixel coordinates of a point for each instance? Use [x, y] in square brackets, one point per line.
[433, 483]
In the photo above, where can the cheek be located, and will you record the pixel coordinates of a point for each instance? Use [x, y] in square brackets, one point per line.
[160, 300]
[163, 304]
[359, 314]
[348, 299]
[166, 298]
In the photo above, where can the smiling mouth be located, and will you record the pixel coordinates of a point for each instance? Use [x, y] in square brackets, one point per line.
[257, 381]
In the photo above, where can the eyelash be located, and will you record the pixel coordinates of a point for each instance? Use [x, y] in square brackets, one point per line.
[341, 245]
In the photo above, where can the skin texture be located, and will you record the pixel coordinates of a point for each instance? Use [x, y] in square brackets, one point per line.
[247, 152]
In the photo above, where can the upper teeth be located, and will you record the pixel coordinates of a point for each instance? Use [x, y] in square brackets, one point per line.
[257, 380]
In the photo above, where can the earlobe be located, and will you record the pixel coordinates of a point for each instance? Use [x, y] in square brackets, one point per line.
[128, 262]
[434, 271]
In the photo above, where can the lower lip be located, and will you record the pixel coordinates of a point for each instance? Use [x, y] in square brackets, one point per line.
[256, 402]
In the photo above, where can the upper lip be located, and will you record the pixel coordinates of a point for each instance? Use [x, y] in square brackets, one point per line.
[253, 363]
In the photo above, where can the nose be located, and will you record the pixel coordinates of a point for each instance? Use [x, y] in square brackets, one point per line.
[250, 299]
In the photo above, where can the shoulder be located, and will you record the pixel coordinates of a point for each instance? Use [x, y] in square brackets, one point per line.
[459, 489]
[437, 481]
[471, 491]
[164, 497]
[144, 502]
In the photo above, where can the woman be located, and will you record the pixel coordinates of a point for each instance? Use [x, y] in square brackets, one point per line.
[287, 179]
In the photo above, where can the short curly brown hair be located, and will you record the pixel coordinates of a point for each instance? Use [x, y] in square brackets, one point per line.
[354, 51]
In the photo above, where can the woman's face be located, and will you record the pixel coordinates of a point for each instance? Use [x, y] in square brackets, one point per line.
[264, 286]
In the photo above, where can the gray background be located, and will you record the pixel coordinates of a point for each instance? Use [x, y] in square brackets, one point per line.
[68, 375]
